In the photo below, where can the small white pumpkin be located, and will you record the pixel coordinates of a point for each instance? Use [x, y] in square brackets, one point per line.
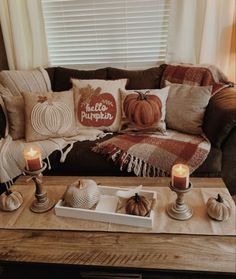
[10, 200]
[83, 193]
[218, 208]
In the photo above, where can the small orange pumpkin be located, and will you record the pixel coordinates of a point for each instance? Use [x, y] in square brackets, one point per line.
[138, 205]
[141, 109]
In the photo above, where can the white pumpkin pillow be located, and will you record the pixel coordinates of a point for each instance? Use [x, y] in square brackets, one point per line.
[97, 103]
[49, 115]
[144, 110]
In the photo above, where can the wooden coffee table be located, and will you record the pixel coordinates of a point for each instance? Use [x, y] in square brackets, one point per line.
[118, 254]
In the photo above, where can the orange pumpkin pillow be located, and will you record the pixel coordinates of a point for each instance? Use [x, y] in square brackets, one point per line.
[144, 110]
[49, 115]
[97, 103]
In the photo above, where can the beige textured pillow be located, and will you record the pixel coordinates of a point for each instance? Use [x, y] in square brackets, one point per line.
[3, 119]
[17, 81]
[98, 103]
[185, 107]
[49, 115]
[15, 114]
[144, 110]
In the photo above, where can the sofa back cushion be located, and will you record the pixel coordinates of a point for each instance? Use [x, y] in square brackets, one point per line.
[63, 76]
[138, 79]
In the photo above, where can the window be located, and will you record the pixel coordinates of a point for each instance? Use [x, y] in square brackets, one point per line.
[95, 33]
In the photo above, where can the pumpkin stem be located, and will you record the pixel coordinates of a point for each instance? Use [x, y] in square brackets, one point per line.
[219, 198]
[142, 96]
[8, 192]
[136, 197]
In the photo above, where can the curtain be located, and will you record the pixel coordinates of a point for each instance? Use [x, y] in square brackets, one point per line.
[24, 34]
[203, 32]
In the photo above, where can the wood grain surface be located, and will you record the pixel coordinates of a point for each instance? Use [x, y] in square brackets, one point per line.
[124, 250]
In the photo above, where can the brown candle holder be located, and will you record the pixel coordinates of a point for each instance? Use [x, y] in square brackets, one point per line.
[41, 203]
[179, 210]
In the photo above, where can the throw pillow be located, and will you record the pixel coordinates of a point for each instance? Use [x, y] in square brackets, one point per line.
[3, 120]
[185, 107]
[144, 110]
[15, 112]
[17, 81]
[97, 103]
[138, 79]
[49, 115]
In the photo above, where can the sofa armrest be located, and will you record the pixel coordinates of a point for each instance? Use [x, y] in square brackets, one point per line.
[220, 116]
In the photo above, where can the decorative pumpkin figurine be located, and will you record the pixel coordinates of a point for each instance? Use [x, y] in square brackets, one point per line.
[83, 193]
[138, 205]
[10, 200]
[142, 109]
[218, 208]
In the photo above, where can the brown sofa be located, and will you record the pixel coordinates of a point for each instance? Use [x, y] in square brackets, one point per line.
[219, 126]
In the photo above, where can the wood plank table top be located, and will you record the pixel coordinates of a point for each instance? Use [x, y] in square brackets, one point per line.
[197, 253]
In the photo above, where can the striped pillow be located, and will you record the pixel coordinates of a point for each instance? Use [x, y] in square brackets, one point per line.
[3, 120]
[16, 81]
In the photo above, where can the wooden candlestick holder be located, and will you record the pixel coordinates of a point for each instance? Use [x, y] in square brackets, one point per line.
[179, 210]
[41, 203]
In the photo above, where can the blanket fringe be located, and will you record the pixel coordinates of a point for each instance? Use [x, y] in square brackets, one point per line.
[129, 162]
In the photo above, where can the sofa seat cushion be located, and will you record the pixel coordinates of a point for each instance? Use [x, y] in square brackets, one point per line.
[82, 161]
[149, 155]
[212, 165]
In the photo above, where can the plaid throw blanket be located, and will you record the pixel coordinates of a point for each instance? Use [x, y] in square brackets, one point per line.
[201, 75]
[154, 155]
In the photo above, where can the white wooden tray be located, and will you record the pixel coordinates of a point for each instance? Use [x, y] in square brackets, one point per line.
[106, 209]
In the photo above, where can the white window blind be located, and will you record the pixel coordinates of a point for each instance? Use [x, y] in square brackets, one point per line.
[94, 33]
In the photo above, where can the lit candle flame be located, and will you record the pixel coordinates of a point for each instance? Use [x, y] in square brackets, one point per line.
[32, 152]
[180, 170]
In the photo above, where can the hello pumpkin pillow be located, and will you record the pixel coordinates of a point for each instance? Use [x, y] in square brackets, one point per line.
[49, 115]
[144, 110]
[97, 103]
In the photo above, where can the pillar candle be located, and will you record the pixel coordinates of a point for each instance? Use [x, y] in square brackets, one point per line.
[33, 159]
[180, 176]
